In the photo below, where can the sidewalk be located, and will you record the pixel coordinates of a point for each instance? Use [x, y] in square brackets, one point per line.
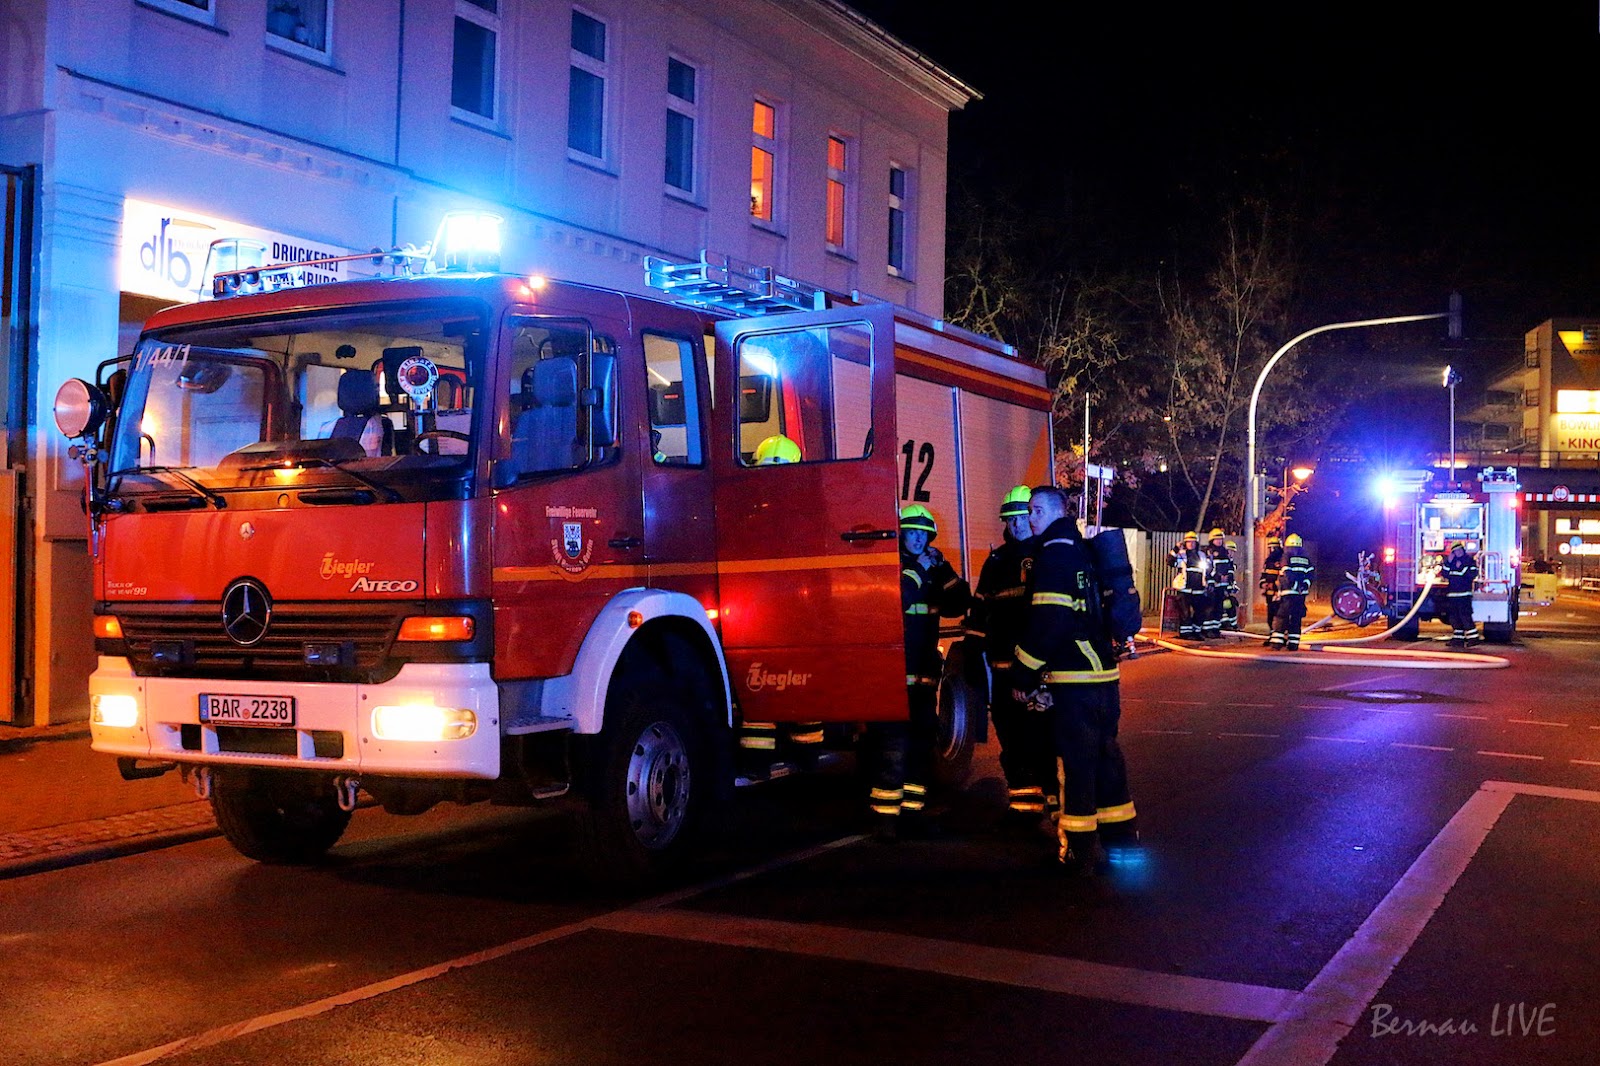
[62, 804]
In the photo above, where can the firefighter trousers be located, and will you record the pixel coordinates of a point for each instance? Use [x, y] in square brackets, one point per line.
[905, 755]
[1458, 612]
[1286, 623]
[1027, 752]
[1095, 799]
[1191, 614]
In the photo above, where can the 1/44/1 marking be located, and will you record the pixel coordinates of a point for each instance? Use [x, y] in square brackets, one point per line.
[246, 709]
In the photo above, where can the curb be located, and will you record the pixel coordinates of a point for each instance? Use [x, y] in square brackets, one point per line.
[77, 843]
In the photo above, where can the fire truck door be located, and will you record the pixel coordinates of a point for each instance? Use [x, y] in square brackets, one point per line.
[807, 515]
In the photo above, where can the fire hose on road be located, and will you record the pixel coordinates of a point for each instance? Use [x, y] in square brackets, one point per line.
[1315, 652]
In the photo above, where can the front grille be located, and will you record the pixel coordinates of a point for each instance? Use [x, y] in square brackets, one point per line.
[368, 629]
[325, 743]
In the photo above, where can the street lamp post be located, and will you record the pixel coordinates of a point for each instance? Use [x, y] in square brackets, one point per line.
[1452, 378]
[1252, 501]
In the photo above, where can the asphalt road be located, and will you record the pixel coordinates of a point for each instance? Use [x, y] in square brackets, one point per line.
[1401, 859]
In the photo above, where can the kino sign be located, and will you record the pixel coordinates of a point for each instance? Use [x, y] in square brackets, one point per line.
[163, 251]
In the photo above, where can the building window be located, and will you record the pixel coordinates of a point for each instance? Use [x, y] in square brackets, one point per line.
[472, 74]
[586, 87]
[681, 115]
[299, 22]
[196, 10]
[763, 160]
[1530, 397]
[838, 185]
[899, 208]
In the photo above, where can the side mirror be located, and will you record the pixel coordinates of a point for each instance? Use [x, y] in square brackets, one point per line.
[80, 408]
[599, 399]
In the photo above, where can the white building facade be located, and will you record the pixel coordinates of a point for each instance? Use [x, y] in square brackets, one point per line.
[788, 133]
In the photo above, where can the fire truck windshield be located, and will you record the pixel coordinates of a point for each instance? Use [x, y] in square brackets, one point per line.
[316, 399]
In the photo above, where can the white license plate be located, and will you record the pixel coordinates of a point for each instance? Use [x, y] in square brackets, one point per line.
[230, 709]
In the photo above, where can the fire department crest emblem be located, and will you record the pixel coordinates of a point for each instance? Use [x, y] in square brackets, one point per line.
[572, 539]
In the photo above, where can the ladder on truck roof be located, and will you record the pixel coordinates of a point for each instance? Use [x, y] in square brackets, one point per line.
[730, 284]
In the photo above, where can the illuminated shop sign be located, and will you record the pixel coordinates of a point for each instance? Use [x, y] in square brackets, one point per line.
[1576, 433]
[163, 252]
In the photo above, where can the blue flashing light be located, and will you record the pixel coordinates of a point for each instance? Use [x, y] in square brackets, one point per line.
[468, 240]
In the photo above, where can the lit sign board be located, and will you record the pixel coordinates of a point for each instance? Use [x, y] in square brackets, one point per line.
[164, 249]
[1576, 433]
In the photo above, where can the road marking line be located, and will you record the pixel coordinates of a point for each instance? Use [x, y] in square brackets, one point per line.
[1423, 747]
[1584, 762]
[1330, 1007]
[1263, 736]
[1170, 732]
[1512, 755]
[1535, 721]
[1004, 966]
[1387, 710]
[1467, 717]
[224, 1033]
[1339, 740]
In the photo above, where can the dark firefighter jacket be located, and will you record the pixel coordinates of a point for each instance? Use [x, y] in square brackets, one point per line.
[1000, 604]
[1063, 642]
[1461, 571]
[1222, 569]
[1195, 566]
[1271, 571]
[925, 597]
[1297, 575]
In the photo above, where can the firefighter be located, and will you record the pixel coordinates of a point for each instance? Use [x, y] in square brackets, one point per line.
[1271, 572]
[1230, 599]
[1219, 578]
[1460, 571]
[1066, 648]
[758, 741]
[999, 607]
[930, 589]
[1294, 585]
[776, 449]
[1190, 582]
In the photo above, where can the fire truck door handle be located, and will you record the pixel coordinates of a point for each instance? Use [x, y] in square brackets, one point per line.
[853, 535]
[625, 543]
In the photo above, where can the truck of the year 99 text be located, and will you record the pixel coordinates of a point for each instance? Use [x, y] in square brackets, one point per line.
[456, 534]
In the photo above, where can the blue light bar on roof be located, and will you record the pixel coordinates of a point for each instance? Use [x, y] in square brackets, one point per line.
[468, 240]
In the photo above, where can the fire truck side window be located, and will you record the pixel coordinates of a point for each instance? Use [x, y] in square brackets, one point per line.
[563, 398]
[674, 400]
[812, 386]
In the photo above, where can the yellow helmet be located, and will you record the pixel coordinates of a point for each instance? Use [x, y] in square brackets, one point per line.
[1214, 534]
[777, 449]
[917, 516]
[1015, 502]
[1231, 545]
[1293, 541]
[1191, 535]
[1274, 542]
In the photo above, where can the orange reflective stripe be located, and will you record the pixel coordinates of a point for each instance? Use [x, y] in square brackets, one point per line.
[1122, 812]
[1076, 823]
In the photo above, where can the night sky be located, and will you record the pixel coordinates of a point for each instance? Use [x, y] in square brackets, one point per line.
[1427, 147]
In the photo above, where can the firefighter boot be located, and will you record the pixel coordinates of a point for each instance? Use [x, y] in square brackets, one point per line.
[1080, 854]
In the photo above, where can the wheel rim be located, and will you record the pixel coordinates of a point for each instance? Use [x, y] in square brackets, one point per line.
[658, 785]
[1347, 603]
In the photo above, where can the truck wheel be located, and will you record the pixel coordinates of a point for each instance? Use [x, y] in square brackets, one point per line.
[1410, 631]
[961, 716]
[649, 780]
[274, 819]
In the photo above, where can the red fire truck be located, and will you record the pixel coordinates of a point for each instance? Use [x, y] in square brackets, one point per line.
[1424, 518]
[453, 534]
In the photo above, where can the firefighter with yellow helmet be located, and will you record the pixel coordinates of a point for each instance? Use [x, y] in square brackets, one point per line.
[1271, 573]
[1219, 580]
[776, 449]
[998, 613]
[930, 589]
[1294, 587]
[1191, 581]
[1460, 574]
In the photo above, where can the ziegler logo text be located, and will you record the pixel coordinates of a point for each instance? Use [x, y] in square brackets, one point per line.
[759, 679]
[332, 567]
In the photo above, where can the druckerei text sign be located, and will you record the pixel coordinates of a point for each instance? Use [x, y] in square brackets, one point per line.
[164, 251]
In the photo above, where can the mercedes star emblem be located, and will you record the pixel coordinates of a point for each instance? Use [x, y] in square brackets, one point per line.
[246, 530]
[246, 609]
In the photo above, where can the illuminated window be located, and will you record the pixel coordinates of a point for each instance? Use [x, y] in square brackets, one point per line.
[899, 208]
[1577, 402]
[763, 156]
[681, 116]
[472, 71]
[838, 175]
[303, 23]
[586, 87]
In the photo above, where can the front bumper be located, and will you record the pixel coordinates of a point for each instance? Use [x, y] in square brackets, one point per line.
[333, 731]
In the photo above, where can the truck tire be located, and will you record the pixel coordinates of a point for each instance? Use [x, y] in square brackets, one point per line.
[648, 783]
[962, 712]
[1410, 631]
[274, 818]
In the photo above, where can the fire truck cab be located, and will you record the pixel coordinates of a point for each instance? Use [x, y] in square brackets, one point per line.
[455, 534]
[1425, 518]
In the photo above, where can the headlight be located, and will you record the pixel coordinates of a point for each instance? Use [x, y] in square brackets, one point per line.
[423, 722]
[119, 712]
